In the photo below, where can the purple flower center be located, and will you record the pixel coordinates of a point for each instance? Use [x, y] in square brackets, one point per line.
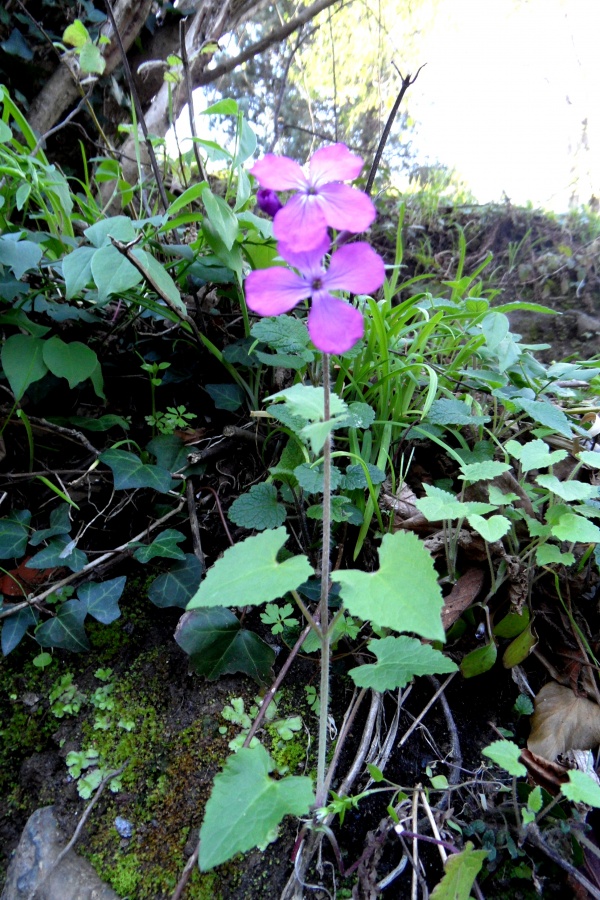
[316, 284]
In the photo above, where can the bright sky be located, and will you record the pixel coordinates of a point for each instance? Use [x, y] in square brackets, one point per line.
[505, 93]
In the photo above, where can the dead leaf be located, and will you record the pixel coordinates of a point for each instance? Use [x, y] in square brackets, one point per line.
[461, 596]
[562, 721]
[549, 775]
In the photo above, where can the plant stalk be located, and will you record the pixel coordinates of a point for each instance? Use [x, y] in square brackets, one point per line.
[321, 792]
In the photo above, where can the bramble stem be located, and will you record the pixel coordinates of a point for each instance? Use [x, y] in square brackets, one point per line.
[321, 793]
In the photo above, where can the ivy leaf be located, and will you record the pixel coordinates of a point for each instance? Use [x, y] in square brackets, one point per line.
[119, 227]
[170, 451]
[22, 361]
[130, 472]
[59, 552]
[453, 412]
[534, 454]
[65, 630]
[491, 529]
[439, 504]
[14, 534]
[246, 806]
[581, 788]
[73, 361]
[248, 573]
[399, 659]
[576, 529]
[60, 523]
[112, 272]
[506, 755]
[460, 871]
[258, 508]
[225, 396]
[568, 490]
[101, 598]
[19, 256]
[218, 645]
[15, 627]
[77, 270]
[403, 594]
[175, 587]
[164, 544]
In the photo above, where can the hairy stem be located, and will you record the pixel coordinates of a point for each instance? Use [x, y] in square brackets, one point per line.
[321, 797]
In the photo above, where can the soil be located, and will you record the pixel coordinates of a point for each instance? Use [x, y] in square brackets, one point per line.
[179, 737]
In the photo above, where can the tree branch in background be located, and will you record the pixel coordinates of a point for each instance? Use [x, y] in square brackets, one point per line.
[406, 83]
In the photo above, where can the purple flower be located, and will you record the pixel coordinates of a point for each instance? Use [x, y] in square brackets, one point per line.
[268, 201]
[334, 326]
[321, 200]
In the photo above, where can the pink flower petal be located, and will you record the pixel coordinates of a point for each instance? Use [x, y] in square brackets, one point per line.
[334, 163]
[334, 326]
[280, 173]
[301, 222]
[345, 208]
[309, 262]
[270, 292]
[356, 268]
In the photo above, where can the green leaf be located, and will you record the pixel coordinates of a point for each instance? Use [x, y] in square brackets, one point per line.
[76, 34]
[156, 273]
[248, 573]
[112, 272]
[581, 788]
[225, 396]
[590, 458]
[14, 534]
[104, 423]
[170, 451]
[568, 490]
[310, 478]
[479, 661]
[119, 227]
[461, 870]
[60, 523]
[512, 624]
[222, 218]
[14, 628]
[189, 195]
[307, 401]
[359, 415]
[247, 144]
[178, 585]
[22, 361]
[491, 529]
[399, 659]
[226, 107]
[65, 630]
[545, 414]
[101, 598]
[506, 755]
[453, 412]
[576, 529]
[73, 361]
[439, 504]
[546, 554]
[403, 594]
[130, 472]
[355, 477]
[59, 552]
[91, 59]
[534, 454]
[258, 508]
[19, 256]
[485, 470]
[218, 645]
[77, 270]
[16, 45]
[246, 806]
[164, 544]
[283, 333]
[496, 328]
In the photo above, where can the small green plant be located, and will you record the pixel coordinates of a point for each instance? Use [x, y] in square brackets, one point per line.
[168, 422]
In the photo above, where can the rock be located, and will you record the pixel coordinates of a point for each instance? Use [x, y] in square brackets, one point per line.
[30, 875]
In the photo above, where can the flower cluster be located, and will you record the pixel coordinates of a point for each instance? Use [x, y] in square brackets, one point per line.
[320, 201]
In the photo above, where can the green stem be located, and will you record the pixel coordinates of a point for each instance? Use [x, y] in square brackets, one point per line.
[321, 792]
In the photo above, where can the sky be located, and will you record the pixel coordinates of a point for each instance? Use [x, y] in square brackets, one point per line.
[505, 94]
[509, 96]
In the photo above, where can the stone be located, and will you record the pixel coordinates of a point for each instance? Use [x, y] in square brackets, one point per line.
[30, 875]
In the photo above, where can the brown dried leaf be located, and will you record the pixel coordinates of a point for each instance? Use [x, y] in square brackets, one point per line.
[549, 775]
[461, 596]
[562, 721]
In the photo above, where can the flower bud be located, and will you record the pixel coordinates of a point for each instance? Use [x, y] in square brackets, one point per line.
[268, 201]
